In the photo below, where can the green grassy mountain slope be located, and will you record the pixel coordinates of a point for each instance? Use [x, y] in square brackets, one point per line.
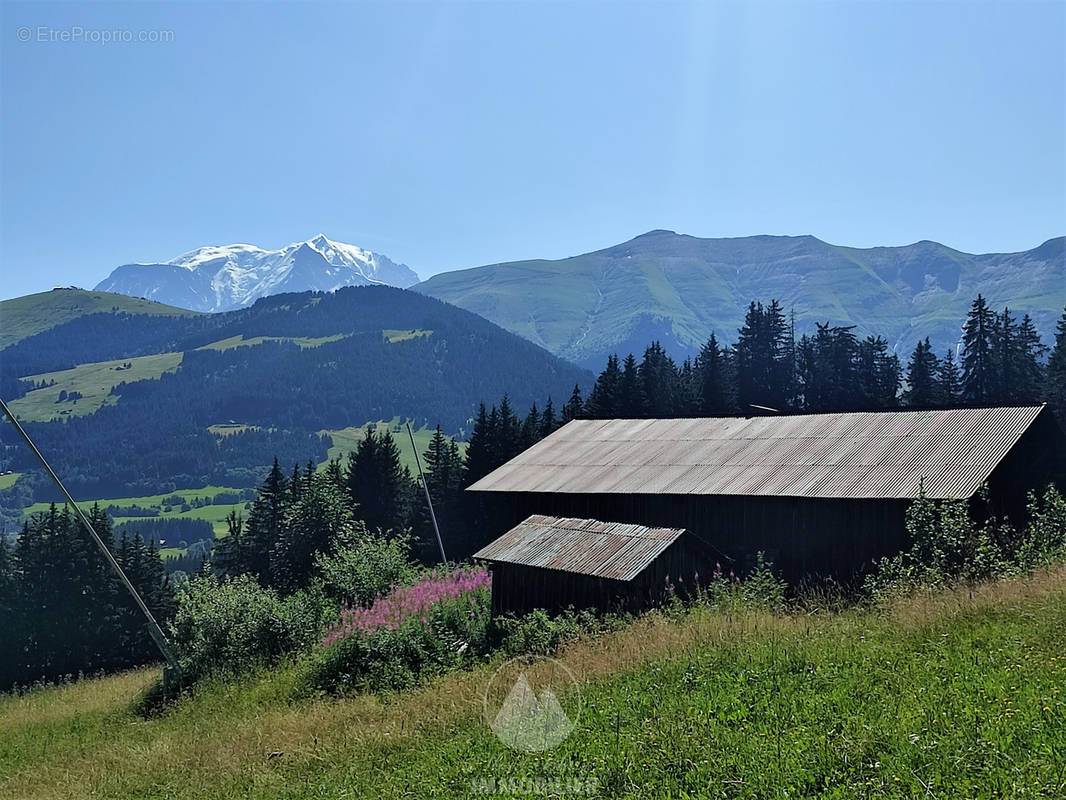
[954, 694]
[128, 405]
[679, 288]
[24, 316]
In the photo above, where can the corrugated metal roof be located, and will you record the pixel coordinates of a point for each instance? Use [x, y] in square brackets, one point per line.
[882, 454]
[585, 546]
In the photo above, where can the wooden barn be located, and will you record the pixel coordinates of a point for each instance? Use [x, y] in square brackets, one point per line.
[819, 494]
[555, 562]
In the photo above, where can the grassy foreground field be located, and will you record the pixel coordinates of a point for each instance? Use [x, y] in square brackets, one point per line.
[958, 694]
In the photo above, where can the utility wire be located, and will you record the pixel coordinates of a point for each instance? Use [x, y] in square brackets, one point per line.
[156, 632]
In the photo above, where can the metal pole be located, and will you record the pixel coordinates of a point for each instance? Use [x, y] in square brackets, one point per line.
[156, 632]
[429, 500]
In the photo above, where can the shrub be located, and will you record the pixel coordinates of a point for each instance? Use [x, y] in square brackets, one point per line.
[357, 573]
[232, 624]
[405, 636]
[537, 633]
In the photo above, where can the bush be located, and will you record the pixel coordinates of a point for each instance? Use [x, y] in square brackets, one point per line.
[358, 573]
[232, 624]
[448, 636]
[947, 546]
[537, 633]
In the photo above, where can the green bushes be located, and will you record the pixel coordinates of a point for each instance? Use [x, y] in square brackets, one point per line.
[357, 573]
[949, 547]
[233, 624]
[453, 634]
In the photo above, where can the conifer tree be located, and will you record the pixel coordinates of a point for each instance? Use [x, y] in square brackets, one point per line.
[574, 407]
[548, 422]
[923, 378]
[978, 354]
[604, 401]
[266, 521]
[1029, 371]
[319, 522]
[949, 379]
[374, 482]
[658, 379]
[717, 389]
[479, 458]
[630, 404]
[1055, 375]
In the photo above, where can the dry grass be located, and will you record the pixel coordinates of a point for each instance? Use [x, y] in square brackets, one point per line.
[82, 739]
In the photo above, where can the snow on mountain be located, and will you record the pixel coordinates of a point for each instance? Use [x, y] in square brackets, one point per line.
[232, 276]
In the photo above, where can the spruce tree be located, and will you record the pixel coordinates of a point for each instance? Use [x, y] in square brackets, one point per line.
[923, 378]
[658, 379]
[374, 482]
[714, 374]
[1029, 370]
[479, 460]
[574, 407]
[949, 379]
[979, 379]
[548, 422]
[604, 401]
[319, 522]
[630, 398]
[266, 520]
[1055, 374]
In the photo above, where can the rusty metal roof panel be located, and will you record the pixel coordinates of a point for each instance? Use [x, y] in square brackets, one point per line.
[584, 546]
[885, 454]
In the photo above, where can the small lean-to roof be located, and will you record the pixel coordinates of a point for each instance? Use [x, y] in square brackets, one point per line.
[880, 454]
[584, 546]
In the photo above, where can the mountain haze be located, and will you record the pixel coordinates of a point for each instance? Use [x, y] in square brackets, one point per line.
[678, 289]
[236, 275]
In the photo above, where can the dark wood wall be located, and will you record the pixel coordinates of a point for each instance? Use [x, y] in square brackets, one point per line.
[803, 537]
[517, 589]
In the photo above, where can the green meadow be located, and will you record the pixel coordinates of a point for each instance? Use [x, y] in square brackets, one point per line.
[93, 381]
[955, 694]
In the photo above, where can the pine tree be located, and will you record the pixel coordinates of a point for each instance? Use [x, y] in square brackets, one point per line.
[548, 422]
[266, 520]
[630, 398]
[923, 378]
[1055, 374]
[319, 522]
[1029, 369]
[374, 482]
[575, 407]
[717, 389]
[479, 459]
[764, 365]
[979, 377]
[604, 400]
[949, 379]
[658, 379]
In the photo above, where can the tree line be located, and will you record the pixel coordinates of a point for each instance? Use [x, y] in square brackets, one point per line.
[1002, 361]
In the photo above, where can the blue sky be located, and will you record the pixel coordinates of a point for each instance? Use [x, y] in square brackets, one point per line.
[452, 134]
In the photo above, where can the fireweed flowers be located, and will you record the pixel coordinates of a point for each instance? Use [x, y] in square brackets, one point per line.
[403, 603]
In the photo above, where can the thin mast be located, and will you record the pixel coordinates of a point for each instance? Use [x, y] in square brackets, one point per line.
[158, 636]
[429, 500]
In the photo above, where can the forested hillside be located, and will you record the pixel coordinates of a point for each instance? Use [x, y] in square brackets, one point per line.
[273, 376]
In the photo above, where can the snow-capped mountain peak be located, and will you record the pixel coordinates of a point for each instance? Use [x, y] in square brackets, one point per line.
[220, 278]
